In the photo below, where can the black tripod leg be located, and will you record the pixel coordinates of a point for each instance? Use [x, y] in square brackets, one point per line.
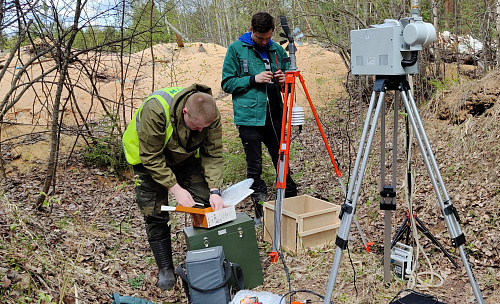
[401, 230]
[428, 234]
[408, 230]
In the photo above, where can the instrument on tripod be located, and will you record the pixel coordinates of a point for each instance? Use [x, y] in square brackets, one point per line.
[390, 51]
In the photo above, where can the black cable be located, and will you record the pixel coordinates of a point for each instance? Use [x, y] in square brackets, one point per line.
[271, 118]
[285, 268]
[353, 270]
[349, 141]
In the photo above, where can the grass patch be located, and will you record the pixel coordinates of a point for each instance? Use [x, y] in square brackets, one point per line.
[234, 158]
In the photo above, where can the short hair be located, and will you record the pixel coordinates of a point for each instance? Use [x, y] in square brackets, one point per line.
[262, 22]
[202, 106]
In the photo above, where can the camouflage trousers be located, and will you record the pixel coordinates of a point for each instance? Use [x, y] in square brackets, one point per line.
[150, 195]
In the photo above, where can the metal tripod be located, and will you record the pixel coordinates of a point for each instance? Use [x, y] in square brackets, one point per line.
[381, 85]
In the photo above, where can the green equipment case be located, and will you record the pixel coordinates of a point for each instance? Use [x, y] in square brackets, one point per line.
[239, 242]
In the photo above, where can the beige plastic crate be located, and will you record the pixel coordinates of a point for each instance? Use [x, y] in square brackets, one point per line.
[306, 222]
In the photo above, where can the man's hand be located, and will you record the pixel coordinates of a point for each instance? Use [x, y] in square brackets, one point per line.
[182, 196]
[216, 202]
[280, 77]
[248, 300]
[264, 77]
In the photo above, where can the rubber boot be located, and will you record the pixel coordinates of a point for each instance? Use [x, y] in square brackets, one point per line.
[162, 251]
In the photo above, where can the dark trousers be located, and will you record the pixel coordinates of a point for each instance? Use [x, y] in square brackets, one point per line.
[252, 138]
[150, 195]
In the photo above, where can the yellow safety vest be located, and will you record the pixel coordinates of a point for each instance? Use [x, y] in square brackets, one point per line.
[130, 139]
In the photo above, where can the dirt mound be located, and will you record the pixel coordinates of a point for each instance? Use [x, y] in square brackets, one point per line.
[163, 66]
[472, 98]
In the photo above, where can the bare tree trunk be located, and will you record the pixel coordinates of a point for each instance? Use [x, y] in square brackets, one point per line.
[437, 50]
[485, 34]
[435, 17]
[151, 15]
[122, 84]
[455, 18]
[448, 9]
[2, 11]
[64, 57]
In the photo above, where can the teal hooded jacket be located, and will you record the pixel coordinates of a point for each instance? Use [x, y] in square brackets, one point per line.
[241, 64]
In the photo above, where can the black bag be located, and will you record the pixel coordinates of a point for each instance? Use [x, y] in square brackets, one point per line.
[205, 275]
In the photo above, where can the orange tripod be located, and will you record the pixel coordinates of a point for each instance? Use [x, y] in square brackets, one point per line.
[284, 152]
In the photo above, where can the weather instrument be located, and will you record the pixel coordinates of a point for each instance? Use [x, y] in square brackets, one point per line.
[294, 116]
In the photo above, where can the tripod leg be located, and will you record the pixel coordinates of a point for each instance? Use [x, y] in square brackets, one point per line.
[337, 171]
[408, 230]
[401, 231]
[428, 234]
[282, 169]
[365, 244]
[448, 210]
[349, 206]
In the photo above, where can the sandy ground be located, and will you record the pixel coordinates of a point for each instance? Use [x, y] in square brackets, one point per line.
[322, 71]
[27, 132]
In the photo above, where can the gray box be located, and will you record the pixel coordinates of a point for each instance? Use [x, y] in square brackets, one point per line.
[379, 51]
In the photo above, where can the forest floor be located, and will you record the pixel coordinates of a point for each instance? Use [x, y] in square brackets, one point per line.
[89, 240]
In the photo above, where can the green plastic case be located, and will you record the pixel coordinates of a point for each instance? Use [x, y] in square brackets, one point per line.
[239, 242]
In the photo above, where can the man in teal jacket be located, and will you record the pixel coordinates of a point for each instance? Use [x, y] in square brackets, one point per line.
[253, 74]
[174, 143]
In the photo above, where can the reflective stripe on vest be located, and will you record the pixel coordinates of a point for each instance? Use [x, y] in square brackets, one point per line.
[130, 139]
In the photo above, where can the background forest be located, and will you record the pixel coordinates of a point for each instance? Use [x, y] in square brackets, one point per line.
[68, 225]
[66, 31]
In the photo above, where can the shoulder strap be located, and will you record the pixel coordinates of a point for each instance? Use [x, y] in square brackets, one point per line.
[180, 270]
[238, 276]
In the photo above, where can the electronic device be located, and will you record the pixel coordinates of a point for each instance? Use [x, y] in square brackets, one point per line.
[401, 260]
[390, 48]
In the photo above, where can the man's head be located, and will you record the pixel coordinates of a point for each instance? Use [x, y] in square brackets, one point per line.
[262, 28]
[199, 111]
